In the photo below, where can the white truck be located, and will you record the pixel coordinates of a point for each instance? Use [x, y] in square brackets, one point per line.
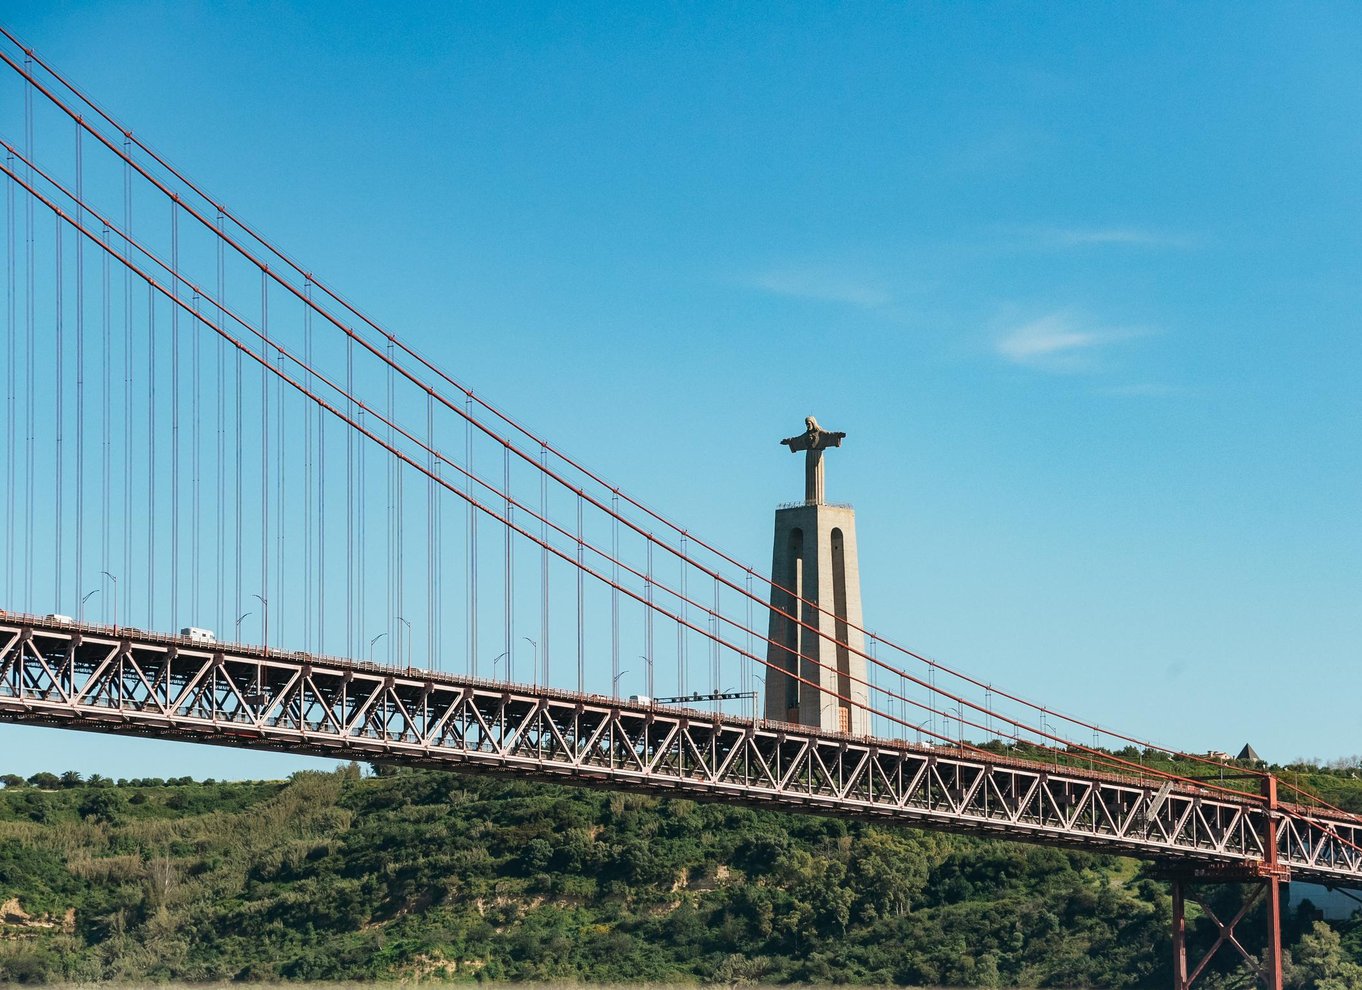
[196, 635]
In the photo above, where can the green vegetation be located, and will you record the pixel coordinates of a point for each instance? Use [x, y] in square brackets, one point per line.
[435, 876]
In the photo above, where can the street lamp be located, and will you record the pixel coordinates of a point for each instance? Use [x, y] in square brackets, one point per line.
[399, 645]
[535, 668]
[265, 604]
[371, 645]
[960, 723]
[649, 661]
[617, 681]
[762, 681]
[115, 591]
[239, 621]
[1046, 732]
[81, 614]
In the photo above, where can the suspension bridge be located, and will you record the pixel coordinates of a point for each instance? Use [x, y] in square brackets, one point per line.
[365, 559]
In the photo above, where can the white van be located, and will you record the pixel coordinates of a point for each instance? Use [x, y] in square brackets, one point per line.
[196, 635]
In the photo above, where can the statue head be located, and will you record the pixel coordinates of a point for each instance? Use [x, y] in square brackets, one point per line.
[811, 424]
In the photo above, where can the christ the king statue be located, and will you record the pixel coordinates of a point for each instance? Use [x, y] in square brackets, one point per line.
[813, 442]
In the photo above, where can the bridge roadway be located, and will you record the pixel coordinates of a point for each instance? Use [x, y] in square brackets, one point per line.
[81, 676]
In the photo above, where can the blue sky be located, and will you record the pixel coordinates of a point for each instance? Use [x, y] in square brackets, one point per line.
[1081, 283]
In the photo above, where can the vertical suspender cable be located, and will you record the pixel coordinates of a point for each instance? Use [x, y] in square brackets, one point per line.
[106, 403]
[614, 596]
[399, 558]
[308, 469]
[509, 604]
[29, 404]
[239, 442]
[747, 686]
[79, 575]
[151, 456]
[361, 485]
[648, 619]
[174, 414]
[350, 500]
[432, 536]
[394, 468]
[196, 562]
[472, 589]
[220, 488]
[321, 522]
[11, 379]
[931, 715]
[682, 654]
[544, 561]
[437, 598]
[58, 408]
[280, 516]
[265, 513]
[128, 357]
[581, 602]
[719, 685]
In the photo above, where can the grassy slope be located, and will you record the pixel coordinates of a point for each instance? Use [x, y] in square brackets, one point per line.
[334, 876]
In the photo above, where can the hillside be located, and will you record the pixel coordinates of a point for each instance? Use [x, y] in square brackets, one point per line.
[428, 875]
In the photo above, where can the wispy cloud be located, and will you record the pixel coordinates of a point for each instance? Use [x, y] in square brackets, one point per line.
[1062, 342]
[824, 285]
[1140, 237]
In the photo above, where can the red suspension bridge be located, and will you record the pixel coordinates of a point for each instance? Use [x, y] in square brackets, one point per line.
[198, 434]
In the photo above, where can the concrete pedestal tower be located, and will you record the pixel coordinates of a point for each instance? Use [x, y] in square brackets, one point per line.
[816, 578]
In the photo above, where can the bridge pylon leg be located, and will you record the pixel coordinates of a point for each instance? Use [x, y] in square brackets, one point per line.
[1266, 879]
[1272, 965]
[1179, 937]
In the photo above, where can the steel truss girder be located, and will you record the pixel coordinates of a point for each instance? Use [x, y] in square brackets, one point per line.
[144, 684]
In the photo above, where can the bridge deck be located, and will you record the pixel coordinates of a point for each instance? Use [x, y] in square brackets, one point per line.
[126, 681]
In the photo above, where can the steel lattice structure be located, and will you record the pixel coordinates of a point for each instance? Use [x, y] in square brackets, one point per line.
[96, 678]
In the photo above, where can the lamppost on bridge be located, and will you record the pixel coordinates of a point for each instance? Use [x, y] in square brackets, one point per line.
[617, 682]
[239, 620]
[115, 595]
[535, 668]
[80, 615]
[649, 672]
[496, 660]
[959, 713]
[1046, 732]
[371, 645]
[265, 604]
[399, 641]
[760, 694]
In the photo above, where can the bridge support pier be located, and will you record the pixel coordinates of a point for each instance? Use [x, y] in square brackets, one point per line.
[1266, 879]
[1269, 967]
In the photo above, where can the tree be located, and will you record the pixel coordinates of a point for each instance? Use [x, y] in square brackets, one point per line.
[1319, 962]
[101, 804]
[889, 873]
[12, 780]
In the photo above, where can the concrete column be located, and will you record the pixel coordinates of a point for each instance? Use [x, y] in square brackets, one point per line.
[814, 558]
[814, 493]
